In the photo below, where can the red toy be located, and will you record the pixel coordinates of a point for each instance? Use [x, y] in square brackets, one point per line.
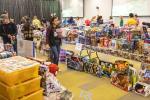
[87, 22]
[53, 68]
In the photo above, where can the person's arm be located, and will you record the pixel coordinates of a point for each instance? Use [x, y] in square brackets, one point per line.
[2, 33]
[14, 29]
[47, 36]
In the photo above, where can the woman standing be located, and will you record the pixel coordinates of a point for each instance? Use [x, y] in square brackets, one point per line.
[53, 38]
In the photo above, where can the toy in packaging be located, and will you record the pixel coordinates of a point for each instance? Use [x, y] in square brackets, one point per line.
[106, 42]
[124, 75]
[6, 54]
[74, 62]
[107, 68]
[49, 82]
[87, 40]
[101, 42]
[142, 89]
[99, 71]
[113, 44]
[62, 55]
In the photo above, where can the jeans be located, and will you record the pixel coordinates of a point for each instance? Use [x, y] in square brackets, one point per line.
[55, 51]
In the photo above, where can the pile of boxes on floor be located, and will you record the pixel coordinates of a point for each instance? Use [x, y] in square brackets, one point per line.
[20, 80]
[121, 73]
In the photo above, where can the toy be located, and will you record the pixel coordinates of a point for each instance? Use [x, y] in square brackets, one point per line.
[124, 75]
[74, 62]
[62, 55]
[99, 71]
[142, 89]
[121, 66]
[120, 80]
[107, 68]
[81, 39]
[53, 68]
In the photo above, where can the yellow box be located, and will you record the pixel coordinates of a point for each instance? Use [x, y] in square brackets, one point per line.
[34, 96]
[18, 91]
[17, 69]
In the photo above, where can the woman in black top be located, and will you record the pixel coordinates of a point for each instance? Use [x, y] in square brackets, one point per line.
[54, 39]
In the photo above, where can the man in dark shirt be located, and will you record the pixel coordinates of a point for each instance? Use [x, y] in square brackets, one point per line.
[8, 32]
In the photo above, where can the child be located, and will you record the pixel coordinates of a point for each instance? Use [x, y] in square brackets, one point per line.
[137, 19]
[131, 21]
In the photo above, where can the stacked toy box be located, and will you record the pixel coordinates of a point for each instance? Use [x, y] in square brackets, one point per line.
[19, 79]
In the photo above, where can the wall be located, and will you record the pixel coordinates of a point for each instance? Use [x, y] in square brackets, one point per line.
[90, 8]
[105, 10]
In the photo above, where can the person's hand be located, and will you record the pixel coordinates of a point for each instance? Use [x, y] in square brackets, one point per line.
[47, 46]
[9, 36]
[13, 37]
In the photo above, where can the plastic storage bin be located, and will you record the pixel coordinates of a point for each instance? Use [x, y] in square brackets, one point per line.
[34, 96]
[17, 69]
[14, 92]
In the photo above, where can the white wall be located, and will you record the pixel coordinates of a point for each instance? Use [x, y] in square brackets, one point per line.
[105, 10]
[90, 8]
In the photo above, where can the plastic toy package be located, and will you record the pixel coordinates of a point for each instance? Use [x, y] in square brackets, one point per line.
[124, 75]
[142, 87]
[74, 62]
[90, 66]
[49, 81]
[6, 54]
[62, 56]
[107, 68]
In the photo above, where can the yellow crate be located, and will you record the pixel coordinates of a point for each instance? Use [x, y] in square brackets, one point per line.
[14, 92]
[34, 96]
[17, 69]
